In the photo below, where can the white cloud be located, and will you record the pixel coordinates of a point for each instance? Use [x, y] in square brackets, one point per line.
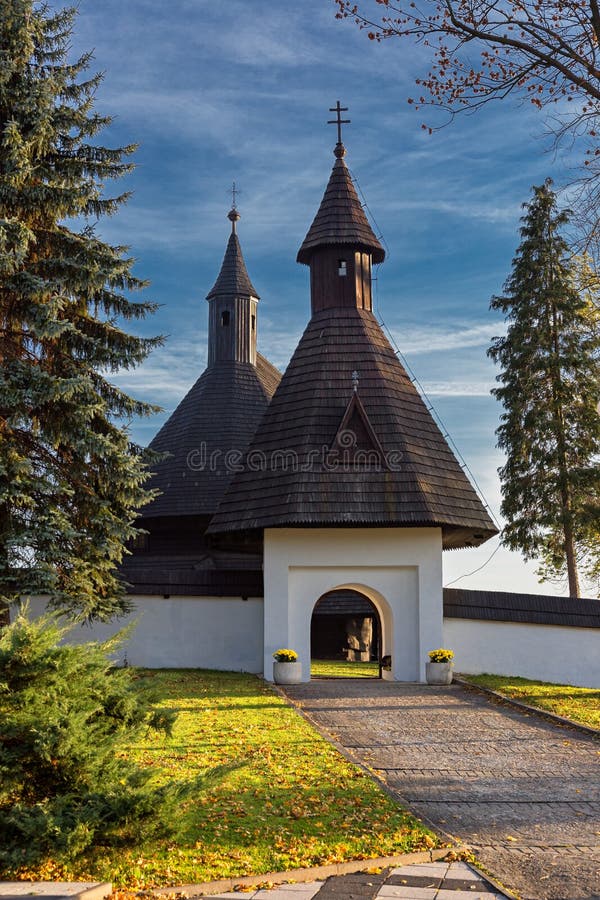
[416, 340]
[452, 388]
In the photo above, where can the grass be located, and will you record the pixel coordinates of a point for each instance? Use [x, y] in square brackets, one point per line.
[575, 703]
[279, 797]
[333, 668]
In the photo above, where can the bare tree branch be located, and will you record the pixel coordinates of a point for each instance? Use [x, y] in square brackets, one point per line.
[543, 50]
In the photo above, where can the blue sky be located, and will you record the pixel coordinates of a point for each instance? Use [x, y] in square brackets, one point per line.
[240, 90]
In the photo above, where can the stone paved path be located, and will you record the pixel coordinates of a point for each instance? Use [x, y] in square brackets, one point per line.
[430, 881]
[522, 792]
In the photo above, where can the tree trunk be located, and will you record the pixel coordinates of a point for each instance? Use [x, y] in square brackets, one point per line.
[563, 467]
[571, 561]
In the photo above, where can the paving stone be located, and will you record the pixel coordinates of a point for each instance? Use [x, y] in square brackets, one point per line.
[295, 889]
[357, 886]
[436, 869]
[394, 890]
[465, 895]
[232, 895]
[283, 892]
[509, 784]
[416, 880]
[464, 884]
[462, 870]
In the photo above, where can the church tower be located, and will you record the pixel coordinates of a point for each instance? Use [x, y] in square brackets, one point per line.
[359, 489]
[202, 442]
[340, 247]
[233, 306]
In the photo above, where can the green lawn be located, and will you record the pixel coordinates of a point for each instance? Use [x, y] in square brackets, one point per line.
[576, 703]
[331, 668]
[284, 797]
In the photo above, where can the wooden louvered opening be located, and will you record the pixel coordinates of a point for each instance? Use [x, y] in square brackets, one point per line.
[345, 636]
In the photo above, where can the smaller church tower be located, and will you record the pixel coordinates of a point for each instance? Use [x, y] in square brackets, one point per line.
[202, 443]
[233, 303]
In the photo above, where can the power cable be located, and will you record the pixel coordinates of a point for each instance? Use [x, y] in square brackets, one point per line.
[474, 572]
[411, 373]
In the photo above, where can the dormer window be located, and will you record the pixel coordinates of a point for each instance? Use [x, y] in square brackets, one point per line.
[225, 317]
[342, 268]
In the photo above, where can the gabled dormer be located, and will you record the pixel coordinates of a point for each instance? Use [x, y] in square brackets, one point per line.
[340, 246]
[233, 304]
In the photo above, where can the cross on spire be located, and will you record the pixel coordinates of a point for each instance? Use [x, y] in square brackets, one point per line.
[338, 109]
[233, 214]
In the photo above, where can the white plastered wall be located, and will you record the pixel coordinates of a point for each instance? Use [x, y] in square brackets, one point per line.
[184, 632]
[398, 569]
[557, 653]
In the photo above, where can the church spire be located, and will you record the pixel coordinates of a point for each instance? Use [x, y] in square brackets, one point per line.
[233, 304]
[340, 244]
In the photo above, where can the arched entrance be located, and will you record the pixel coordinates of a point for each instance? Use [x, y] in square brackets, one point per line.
[345, 635]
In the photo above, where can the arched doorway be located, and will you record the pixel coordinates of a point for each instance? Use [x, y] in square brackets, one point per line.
[345, 636]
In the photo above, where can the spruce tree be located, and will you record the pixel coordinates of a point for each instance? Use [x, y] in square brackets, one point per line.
[71, 479]
[550, 390]
[68, 719]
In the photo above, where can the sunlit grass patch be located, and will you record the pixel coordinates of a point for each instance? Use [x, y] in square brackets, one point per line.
[333, 668]
[576, 703]
[276, 796]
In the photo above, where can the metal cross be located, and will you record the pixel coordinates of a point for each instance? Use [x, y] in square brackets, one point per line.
[339, 121]
[234, 193]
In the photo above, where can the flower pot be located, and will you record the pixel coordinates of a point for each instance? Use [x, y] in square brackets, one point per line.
[287, 672]
[439, 673]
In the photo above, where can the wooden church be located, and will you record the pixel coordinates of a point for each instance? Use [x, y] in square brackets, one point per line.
[332, 480]
[310, 510]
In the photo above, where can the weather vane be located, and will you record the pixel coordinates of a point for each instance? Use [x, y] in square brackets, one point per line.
[338, 121]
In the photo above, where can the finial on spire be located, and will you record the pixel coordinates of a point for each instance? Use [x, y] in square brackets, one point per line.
[340, 150]
[355, 381]
[233, 215]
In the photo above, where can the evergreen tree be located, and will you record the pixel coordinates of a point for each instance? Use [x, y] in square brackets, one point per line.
[71, 479]
[550, 390]
[68, 718]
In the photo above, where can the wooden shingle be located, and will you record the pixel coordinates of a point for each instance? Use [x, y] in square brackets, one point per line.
[217, 417]
[538, 609]
[294, 476]
[340, 219]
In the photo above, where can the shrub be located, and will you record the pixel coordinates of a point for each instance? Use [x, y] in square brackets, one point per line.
[67, 718]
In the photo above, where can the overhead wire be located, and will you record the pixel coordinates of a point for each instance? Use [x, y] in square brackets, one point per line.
[415, 380]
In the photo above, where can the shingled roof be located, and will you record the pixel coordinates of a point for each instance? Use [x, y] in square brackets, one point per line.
[538, 609]
[221, 575]
[218, 414]
[233, 278]
[340, 218]
[298, 471]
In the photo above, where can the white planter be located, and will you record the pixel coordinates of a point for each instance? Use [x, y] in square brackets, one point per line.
[439, 672]
[287, 672]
